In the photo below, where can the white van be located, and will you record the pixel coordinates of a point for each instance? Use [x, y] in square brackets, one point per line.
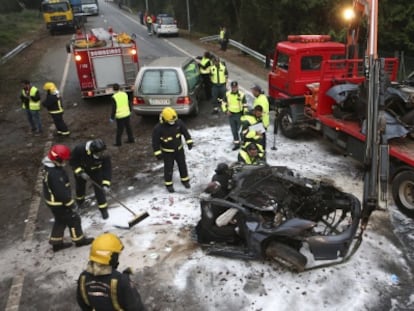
[90, 7]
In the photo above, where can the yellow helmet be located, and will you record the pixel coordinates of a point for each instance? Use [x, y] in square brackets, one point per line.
[169, 115]
[104, 247]
[49, 86]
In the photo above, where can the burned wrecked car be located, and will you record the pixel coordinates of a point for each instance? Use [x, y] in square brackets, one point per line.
[266, 212]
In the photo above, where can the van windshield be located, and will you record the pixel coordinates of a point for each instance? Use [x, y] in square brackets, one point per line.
[161, 82]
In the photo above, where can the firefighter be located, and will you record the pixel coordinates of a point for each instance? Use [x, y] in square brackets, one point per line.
[121, 111]
[58, 197]
[204, 65]
[53, 104]
[89, 161]
[101, 286]
[234, 105]
[167, 145]
[30, 98]
[218, 78]
[261, 99]
[252, 128]
[251, 153]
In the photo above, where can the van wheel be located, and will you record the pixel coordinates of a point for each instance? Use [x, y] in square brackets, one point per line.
[286, 256]
[287, 127]
[403, 192]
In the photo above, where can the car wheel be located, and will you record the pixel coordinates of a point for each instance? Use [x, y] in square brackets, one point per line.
[403, 192]
[287, 127]
[286, 256]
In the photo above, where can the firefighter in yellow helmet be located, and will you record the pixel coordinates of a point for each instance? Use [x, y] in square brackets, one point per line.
[167, 144]
[101, 286]
[53, 104]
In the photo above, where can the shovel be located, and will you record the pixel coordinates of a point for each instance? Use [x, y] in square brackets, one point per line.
[137, 217]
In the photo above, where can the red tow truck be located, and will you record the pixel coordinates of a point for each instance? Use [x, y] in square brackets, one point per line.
[103, 58]
[314, 85]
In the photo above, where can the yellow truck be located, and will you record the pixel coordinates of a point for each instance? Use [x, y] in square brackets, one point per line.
[59, 15]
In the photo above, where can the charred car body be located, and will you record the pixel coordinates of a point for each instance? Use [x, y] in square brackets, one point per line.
[274, 214]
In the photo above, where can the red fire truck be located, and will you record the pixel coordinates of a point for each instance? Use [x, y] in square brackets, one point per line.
[315, 86]
[103, 58]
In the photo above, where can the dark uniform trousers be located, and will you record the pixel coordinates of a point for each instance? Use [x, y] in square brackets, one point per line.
[96, 175]
[235, 124]
[121, 124]
[61, 127]
[169, 158]
[65, 217]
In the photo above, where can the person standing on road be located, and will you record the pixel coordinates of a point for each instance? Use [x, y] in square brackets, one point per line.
[204, 65]
[218, 78]
[58, 197]
[260, 99]
[53, 104]
[234, 105]
[30, 97]
[121, 111]
[168, 146]
[89, 161]
[101, 286]
[148, 22]
[223, 38]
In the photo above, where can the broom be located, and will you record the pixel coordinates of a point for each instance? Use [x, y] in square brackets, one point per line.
[137, 217]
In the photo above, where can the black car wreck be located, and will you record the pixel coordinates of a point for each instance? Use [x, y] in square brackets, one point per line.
[266, 212]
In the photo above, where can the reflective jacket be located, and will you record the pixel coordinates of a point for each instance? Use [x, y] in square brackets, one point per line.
[31, 98]
[167, 137]
[245, 158]
[263, 101]
[121, 103]
[205, 64]
[56, 186]
[218, 74]
[53, 104]
[235, 102]
[247, 133]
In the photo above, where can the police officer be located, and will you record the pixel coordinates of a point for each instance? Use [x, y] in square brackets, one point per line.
[53, 104]
[204, 65]
[121, 111]
[167, 145]
[30, 98]
[251, 153]
[89, 161]
[260, 99]
[252, 128]
[234, 105]
[101, 287]
[58, 197]
[218, 78]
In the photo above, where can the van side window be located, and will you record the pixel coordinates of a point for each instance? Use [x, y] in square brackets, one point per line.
[311, 63]
[192, 75]
[160, 82]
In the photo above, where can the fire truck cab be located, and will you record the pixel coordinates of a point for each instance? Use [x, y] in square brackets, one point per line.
[103, 58]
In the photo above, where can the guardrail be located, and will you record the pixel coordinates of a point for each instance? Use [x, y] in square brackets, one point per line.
[15, 51]
[260, 57]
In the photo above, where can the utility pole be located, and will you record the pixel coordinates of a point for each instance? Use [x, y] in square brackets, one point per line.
[188, 17]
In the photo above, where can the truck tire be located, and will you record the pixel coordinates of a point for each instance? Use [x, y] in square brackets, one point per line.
[286, 256]
[403, 192]
[287, 127]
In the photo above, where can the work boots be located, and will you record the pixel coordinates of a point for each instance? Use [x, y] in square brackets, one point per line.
[60, 246]
[186, 184]
[170, 189]
[84, 241]
[104, 212]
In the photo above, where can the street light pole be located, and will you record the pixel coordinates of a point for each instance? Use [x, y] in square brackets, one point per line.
[188, 17]
[146, 5]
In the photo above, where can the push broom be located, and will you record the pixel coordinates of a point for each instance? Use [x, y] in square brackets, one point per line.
[137, 217]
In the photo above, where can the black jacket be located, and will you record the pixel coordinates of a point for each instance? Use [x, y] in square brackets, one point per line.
[53, 103]
[167, 137]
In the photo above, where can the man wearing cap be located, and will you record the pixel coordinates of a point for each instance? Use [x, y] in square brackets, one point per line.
[261, 99]
[218, 77]
[234, 105]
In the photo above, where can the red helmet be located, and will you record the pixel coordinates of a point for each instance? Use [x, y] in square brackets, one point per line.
[59, 153]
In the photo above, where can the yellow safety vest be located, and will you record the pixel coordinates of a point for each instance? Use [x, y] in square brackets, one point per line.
[122, 105]
[262, 101]
[221, 34]
[33, 105]
[218, 75]
[203, 62]
[234, 102]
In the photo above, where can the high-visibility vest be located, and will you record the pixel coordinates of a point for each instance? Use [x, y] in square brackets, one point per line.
[234, 102]
[218, 75]
[203, 63]
[262, 101]
[222, 34]
[122, 105]
[149, 19]
[33, 105]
